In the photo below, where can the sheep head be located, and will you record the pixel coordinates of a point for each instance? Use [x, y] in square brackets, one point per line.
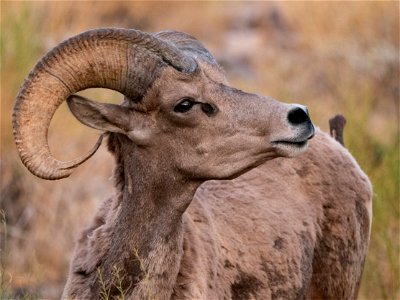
[178, 105]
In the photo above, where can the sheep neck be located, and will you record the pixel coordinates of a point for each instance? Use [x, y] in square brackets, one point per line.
[148, 235]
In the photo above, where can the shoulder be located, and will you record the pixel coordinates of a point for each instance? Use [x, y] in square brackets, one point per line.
[335, 162]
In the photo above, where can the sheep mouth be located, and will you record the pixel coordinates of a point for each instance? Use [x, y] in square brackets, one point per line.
[297, 144]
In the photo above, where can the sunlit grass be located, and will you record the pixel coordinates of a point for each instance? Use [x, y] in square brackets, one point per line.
[381, 162]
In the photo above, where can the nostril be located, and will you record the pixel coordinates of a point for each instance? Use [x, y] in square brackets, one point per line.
[298, 115]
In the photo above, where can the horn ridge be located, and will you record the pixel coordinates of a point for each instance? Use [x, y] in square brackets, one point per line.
[95, 58]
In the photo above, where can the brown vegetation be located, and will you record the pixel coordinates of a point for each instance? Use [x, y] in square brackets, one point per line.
[332, 56]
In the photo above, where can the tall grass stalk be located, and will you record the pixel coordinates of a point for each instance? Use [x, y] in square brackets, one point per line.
[4, 283]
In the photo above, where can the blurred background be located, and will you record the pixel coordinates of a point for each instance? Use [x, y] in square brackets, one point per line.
[334, 57]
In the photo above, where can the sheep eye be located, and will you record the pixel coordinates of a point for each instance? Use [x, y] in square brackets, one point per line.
[184, 106]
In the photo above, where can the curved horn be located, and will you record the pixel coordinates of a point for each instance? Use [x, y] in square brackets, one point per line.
[188, 44]
[124, 60]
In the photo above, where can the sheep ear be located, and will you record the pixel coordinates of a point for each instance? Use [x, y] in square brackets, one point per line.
[112, 118]
[101, 116]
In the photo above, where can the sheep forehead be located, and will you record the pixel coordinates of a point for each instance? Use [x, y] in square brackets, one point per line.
[212, 72]
[205, 73]
[172, 85]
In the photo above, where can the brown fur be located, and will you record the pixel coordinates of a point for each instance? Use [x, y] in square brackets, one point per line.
[271, 233]
[292, 228]
[288, 229]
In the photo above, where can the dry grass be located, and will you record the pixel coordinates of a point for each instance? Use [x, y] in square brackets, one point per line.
[332, 56]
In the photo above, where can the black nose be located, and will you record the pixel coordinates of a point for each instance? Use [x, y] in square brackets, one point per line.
[299, 115]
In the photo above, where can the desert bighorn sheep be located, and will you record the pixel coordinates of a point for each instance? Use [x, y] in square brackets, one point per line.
[289, 229]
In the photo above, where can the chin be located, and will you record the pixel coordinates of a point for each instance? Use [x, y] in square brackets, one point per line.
[291, 149]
